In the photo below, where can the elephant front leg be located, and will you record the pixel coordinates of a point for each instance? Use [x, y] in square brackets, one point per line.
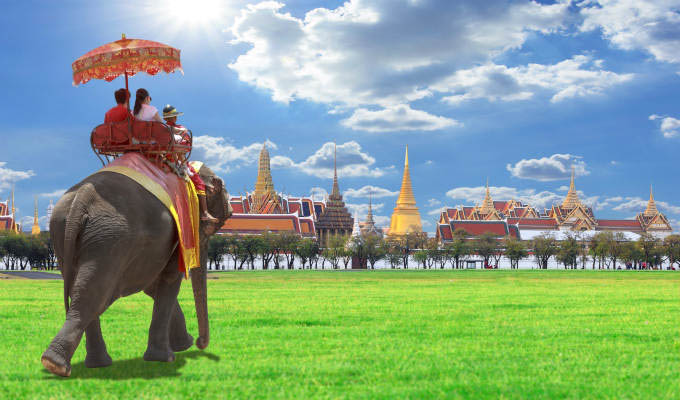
[97, 356]
[180, 339]
[165, 298]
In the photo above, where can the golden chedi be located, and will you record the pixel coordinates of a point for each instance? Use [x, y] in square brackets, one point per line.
[405, 217]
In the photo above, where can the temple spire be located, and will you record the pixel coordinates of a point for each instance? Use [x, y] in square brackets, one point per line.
[405, 217]
[651, 205]
[487, 206]
[369, 216]
[265, 199]
[336, 188]
[36, 226]
[572, 200]
[14, 214]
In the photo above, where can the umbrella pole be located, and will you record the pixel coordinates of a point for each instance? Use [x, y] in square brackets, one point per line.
[126, 88]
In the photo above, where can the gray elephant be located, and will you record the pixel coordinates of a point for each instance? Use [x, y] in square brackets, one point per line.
[113, 238]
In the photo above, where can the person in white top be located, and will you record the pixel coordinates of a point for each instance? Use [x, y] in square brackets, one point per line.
[144, 111]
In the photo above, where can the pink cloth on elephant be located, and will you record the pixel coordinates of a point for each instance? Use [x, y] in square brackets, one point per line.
[184, 210]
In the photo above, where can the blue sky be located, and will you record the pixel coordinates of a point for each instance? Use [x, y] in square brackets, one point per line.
[516, 92]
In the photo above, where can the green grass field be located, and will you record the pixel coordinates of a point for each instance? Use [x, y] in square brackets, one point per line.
[373, 334]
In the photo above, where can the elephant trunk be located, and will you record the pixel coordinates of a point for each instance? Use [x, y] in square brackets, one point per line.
[199, 285]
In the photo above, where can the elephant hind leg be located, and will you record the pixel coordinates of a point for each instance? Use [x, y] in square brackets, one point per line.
[89, 298]
[97, 356]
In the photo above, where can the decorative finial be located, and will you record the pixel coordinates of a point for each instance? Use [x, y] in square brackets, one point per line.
[123, 38]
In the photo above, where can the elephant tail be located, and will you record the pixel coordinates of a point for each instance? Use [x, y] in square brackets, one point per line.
[75, 220]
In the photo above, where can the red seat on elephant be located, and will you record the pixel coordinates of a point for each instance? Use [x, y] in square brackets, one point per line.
[154, 139]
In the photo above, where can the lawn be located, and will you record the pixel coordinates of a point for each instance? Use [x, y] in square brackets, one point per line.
[373, 334]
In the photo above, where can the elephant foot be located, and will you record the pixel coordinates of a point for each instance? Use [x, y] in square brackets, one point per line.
[159, 355]
[177, 344]
[98, 360]
[55, 363]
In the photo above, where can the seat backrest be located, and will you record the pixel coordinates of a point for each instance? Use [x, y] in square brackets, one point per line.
[151, 133]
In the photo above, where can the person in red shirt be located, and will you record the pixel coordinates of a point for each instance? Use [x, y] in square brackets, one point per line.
[121, 111]
[170, 115]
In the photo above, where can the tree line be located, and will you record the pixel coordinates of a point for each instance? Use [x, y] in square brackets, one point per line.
[605, 250]
[19, 251]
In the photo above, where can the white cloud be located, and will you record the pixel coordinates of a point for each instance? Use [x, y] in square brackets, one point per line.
[382, 220]
[579, 76]
[651, 26]
[351, 162]
[555, 167]
[397, 118]
[9, 176]
[437, 211]
[638, 204]
[318, 193]
[361, 209]
[433, 203]
[369, 191]
[670, 127]
[475, 195]
[54, 194]
[380, 53]
[224, 157]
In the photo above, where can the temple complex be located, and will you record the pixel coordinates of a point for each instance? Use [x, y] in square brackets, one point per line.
[8, 215]
[514, 218]
[405, 217]
[265, 210]
[335, 219]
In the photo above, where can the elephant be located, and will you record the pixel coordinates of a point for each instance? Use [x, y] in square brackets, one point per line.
[113, 238]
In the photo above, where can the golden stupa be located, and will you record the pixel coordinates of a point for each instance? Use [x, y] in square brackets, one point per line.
[35, 230]
[405, 217]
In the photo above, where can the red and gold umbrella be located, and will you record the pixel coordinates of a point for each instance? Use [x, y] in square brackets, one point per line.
[125, 57]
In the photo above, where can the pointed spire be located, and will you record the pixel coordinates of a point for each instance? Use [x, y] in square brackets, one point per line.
[14, 214]
[487, 205]
[336, 189]
[651, 205]
[264, 194]
[369, 216]
[572, 200]
[36, 226]
[405, 217]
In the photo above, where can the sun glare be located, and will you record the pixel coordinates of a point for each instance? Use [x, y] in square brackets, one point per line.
[195, 12]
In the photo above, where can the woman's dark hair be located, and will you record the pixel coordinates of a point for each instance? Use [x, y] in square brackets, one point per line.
[141, 95]
[122, 95]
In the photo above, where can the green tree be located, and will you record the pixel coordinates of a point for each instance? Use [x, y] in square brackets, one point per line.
[458, 249]
[267, 249]
[672, 248]
[648, 243]
[515, 250]
[544, 246]
[374, 249]
[485, 246]
[217, 249]
[568, 251]
[305, 250]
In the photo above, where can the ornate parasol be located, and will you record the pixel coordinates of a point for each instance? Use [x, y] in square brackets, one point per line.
[125, 57]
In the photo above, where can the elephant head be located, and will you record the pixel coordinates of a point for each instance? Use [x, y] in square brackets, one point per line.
[219, 207]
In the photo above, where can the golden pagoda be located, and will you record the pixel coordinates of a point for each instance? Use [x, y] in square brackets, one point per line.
[572, 200]
[265, 200]
[35, 230]
[651, 210]
[405, 217]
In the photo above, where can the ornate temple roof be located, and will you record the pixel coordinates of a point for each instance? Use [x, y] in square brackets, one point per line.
[335, 215]
[572, 200]
[651, 205]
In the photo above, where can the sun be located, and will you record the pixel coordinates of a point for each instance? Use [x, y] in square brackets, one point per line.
[195, 12]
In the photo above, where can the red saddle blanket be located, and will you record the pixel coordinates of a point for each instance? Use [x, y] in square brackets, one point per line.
[177, 194]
